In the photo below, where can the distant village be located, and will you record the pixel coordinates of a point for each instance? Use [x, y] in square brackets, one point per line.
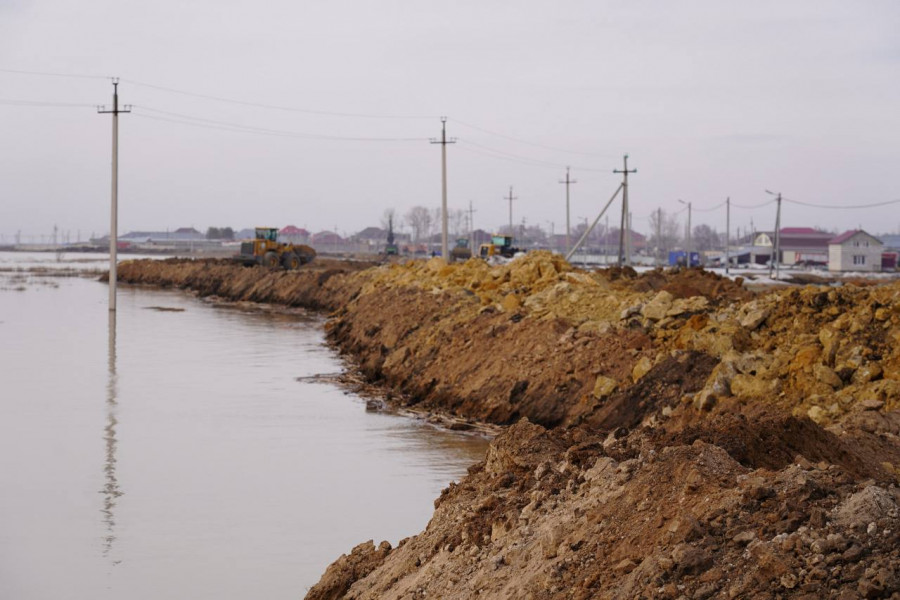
[852, 250]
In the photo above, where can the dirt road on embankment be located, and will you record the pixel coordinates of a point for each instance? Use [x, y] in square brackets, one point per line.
[677, 436]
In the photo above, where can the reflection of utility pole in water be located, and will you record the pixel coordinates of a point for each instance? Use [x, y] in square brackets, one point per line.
[110, 490]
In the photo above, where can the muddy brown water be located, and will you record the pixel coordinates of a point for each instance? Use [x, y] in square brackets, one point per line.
[181, 457]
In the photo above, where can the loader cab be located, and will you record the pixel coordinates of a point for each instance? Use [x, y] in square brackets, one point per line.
[504, 241]
[269, 234]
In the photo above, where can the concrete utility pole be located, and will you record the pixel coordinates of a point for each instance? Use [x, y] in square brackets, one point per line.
[568, 182]
[727, 233]
[776, 255]
[606, 242]
[471, 228]
[688, 232]
[628, 239]
[443, 142]
[658, 234]
[511, 198]
[114, 208]
[624, 247]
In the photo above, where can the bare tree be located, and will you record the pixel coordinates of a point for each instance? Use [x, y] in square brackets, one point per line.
[388, 218]
[669, 231]
[435, 221]
[419, 219]
[705, 238]
[457, 222]
[535, 235]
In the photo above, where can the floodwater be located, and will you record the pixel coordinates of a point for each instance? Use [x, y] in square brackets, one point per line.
[173, 452]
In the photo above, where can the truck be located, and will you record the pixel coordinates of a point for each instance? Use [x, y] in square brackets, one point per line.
[266, 250]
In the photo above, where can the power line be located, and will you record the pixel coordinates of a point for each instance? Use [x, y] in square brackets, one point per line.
[526, 142]
[873, 205]
[47, 74]
[527, 160]
[273, 106]
[326, 113]
[182, 119]
[42, 103]
[716, 207]
[220, 98]
[754, 207]
[520, 160]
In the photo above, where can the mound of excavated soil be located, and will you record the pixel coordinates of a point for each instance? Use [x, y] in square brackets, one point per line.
[324, 284]
[554, 514]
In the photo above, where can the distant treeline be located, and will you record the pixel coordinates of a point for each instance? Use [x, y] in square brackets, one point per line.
[220, 233]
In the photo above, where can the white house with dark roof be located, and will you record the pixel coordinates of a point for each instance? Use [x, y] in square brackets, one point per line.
[854, 250]
[798, 245]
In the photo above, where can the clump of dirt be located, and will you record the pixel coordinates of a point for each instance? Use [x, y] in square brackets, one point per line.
[682, 283]
[663, 386]
[764, 437]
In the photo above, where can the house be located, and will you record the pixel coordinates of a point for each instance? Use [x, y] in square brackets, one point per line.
[324, 239]
[607, 242]
[798, 245]
[293, 235]
[854, 250]
[182, 239]
[890, 255]
[181, 235]
[891, 242]
[372, 234]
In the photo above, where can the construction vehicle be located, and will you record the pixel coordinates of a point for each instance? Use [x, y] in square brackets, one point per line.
[501, 245]
[266, 250]
[461, 251]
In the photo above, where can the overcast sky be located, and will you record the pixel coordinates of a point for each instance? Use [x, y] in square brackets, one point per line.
[709, 98]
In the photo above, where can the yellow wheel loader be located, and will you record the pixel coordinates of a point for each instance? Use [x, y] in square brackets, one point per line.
[267, 251]
[501, 245]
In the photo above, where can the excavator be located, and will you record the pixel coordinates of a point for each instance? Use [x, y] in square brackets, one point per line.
[266, 250]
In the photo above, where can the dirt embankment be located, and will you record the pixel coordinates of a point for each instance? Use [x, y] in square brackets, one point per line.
[534, 338]
[684, 438]
[326, 284]
[573, 514]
